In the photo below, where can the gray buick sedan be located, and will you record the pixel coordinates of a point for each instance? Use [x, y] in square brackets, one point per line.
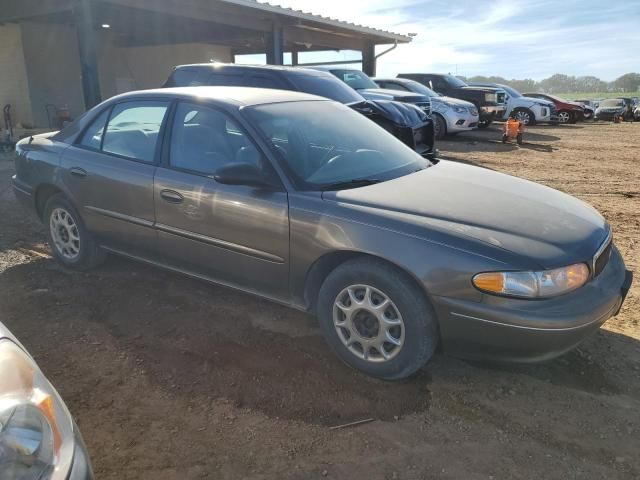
[303, 201]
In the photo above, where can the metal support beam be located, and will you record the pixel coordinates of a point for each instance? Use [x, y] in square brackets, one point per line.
[294, 58]
[86, 33]
[275, 46]
[369, 59]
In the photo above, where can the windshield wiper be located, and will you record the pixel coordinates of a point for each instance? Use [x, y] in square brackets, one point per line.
[354, 183]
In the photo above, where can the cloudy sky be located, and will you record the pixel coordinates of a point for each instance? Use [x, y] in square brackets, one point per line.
[511, 38]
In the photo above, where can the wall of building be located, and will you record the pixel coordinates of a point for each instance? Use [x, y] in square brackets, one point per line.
[14, 87]
[53, 69]
[135, 68]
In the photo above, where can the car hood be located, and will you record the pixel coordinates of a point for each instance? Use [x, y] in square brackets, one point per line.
[482, 89]
[547, 227]
[398, 95]
[399, 113]
[452, 101]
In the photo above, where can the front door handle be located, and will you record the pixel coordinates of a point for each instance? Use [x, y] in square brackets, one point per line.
[171, 196]
[78, 172]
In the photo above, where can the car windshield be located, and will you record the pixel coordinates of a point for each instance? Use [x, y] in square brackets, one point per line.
[511, 91]
[355, 79]
[328, 146]
[417, 87]
[454, 81]
[325, 85]
[611, 103]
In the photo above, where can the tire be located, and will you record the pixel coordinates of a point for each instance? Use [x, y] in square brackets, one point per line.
[71, 243]
[564, 116]
[525, 115]
[484, 123]
[439, 126]
[409, 319]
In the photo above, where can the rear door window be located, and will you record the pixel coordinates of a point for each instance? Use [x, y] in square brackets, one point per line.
[134, 128]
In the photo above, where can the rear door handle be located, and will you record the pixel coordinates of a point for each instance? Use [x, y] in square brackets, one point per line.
[171, 196]
[78, 172]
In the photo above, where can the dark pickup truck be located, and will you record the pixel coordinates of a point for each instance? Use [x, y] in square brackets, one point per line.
[490, 101]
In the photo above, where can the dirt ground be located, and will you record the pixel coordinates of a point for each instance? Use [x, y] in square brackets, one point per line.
[172, 378]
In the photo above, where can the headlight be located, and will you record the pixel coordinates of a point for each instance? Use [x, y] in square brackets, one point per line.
[547, 283]
[36, 430]
[491, 97]
[459, 109]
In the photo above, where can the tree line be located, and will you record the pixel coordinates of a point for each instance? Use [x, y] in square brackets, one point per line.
[559, 83]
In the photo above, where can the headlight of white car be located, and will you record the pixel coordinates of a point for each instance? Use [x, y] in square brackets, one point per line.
[459, 109]
[542, 284]
[36, 429]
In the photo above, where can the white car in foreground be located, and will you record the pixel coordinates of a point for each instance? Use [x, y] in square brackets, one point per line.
[528, 110]
[449, 115]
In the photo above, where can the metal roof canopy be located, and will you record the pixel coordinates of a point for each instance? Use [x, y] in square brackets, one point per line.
[248, 27]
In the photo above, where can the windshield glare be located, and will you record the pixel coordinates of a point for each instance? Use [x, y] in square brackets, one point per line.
[417, 87]
[355, 79]
[514, 93]
[455, 81]
[323, 143]
[325, 85]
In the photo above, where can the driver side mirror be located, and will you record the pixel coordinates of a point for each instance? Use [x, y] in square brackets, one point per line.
[241, 174]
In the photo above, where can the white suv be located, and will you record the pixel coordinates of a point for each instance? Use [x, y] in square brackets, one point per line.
[528, 110]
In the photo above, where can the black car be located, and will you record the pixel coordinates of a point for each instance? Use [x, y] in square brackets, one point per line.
[490, 102]
[615, 107]
[370, 90]
[407, 122]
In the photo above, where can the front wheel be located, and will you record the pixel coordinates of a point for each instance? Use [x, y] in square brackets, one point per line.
[484, 123]
[376, 319]
[525, 115]
[564, 116]
[71, 243]
[439, 126]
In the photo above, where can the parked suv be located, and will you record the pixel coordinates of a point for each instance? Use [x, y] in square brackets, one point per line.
[449, 115]
[528, 110]
[489, 101]
[370, 90]
[409, 123]
[568, 112]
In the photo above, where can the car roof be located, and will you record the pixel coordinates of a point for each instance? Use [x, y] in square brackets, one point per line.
[273, 68]
[238, 96]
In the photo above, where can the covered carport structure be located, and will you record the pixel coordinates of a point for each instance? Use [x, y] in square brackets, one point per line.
[236, 27]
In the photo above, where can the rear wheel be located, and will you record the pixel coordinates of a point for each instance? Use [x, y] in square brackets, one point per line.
[376, 319]
[71, 243]
[439, 126]
[525, 115]
[564, 116]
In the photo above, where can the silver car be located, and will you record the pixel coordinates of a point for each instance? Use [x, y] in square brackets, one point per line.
[450, 115]
[303, 201]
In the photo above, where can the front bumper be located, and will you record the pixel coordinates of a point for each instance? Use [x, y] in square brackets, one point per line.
[492, 112]
[460, 122]
[532, 330]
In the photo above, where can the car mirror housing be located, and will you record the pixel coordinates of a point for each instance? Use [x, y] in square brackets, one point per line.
[241, 174]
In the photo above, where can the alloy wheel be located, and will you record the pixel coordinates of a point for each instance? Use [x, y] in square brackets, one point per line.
[368, 323]
[523, 116]
[65, 233]
[564, 117]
